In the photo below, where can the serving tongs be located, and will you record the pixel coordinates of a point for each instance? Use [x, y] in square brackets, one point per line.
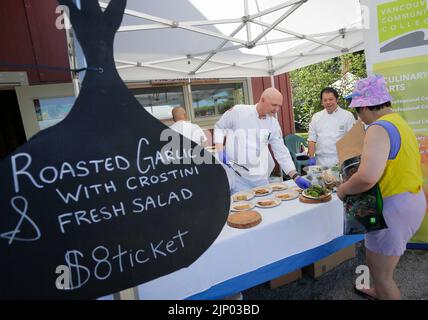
[239, 165]
[232, 162]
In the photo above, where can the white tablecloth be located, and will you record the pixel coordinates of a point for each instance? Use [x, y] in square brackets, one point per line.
[285, 230]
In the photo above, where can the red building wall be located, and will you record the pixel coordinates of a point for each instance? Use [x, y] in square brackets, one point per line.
[28, 35]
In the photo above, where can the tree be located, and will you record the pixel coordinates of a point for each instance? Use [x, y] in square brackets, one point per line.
[308, 82]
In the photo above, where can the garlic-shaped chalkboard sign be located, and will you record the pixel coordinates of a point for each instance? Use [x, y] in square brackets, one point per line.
[106, 199]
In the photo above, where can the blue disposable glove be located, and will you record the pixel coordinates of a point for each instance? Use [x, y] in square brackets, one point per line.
[222, 156]
[312, 161]
[302, 183]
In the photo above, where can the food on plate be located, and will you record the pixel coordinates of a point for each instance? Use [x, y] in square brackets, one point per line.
[315, 191]
[288, 195]
[278, 186]
[284, 196]
[242, 206]
[243, 196]
[261, 191]
[329, 177]
[266, 203]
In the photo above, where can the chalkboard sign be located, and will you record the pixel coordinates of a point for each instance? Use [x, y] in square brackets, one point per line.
[109, 198]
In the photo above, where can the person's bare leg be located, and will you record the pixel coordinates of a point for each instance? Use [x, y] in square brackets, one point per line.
[382, 270]
[370, 291]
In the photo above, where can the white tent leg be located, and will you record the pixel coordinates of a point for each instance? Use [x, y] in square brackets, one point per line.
[72, 44]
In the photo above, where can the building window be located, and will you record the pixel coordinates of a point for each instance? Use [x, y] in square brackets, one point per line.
[212, 100]
[204, 100]
[50, 111]
[159, 101]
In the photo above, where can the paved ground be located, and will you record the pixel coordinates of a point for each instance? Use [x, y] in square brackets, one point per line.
[411, 276]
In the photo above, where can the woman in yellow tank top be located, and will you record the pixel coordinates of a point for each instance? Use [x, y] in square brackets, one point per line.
[391, 158]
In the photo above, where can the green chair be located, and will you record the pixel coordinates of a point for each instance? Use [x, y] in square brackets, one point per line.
[294, 144]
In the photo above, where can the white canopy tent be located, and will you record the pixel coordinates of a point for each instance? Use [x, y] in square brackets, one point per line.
[181, 39]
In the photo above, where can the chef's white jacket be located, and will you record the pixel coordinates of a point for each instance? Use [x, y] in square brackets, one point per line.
[190, 131]
[247, 140]
[325, 130]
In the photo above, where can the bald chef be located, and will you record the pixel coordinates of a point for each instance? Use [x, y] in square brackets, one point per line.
[249, 129]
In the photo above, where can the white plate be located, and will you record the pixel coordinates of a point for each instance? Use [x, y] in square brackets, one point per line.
[277, 203]
[248, 194]
[291, 195]
[277, 186]
[297, 189]
[236, 204]
[316, 198]
[269, 190]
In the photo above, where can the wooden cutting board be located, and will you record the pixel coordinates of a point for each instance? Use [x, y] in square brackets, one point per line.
[244, 219]
[303, 199]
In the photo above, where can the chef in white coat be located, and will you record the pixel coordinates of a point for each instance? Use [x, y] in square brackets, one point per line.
[249, 129]
[190, 130]
[326, 128]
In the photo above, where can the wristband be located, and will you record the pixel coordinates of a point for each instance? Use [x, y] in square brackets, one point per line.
[295, 175]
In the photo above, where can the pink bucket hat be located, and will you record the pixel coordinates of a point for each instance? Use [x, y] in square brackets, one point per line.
[370, 91]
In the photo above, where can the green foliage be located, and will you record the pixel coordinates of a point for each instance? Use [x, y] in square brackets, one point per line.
[308, 82]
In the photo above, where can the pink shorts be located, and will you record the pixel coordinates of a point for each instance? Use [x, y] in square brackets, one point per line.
[403, 215]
